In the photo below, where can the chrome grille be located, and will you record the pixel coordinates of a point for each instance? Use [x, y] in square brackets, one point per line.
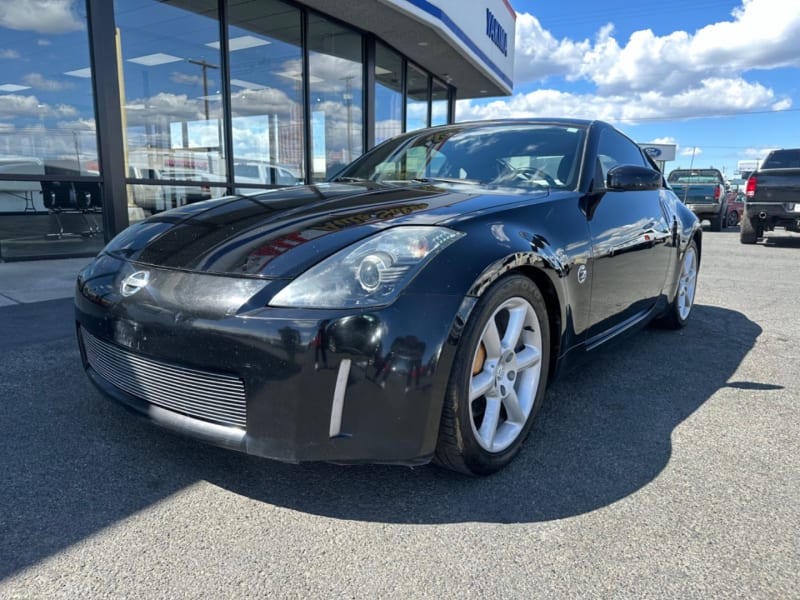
[205, 395]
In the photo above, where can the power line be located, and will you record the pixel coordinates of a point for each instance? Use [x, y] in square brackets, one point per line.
[708, 115]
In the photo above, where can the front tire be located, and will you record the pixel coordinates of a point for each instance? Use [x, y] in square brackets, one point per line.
[498, 379]
[732, 220]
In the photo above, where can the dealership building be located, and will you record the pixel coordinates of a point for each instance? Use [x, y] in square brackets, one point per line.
[114, 110]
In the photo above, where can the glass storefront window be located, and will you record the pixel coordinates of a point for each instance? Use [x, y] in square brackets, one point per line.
[336, 96]
[388, 93]
[438, 103]
[417, 98]
[172, 97]
[266, 62]
[47, 133]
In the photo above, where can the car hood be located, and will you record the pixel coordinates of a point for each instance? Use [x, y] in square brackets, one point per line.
[281, 233]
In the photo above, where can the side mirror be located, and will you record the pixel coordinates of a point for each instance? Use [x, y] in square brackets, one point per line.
[624, 178]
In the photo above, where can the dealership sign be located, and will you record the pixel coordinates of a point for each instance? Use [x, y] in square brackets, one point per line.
[481, 30]
[662, 152]
[496, 33]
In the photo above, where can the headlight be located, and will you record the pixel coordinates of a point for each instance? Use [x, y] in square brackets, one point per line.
[369, 273]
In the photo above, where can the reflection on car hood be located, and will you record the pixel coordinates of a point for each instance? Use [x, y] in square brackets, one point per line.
[283, 232]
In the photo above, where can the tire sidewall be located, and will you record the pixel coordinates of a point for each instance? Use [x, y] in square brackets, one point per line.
[479, 460]
[676, 312]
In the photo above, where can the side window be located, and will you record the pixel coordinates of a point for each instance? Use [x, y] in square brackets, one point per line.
[615, 149]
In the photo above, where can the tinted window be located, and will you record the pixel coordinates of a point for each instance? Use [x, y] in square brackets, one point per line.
[615, 149]
[695, 176]
[783, 159]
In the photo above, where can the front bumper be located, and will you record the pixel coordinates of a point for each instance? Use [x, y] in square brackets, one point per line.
[338, 386]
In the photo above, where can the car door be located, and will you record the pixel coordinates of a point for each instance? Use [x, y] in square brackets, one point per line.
[630, 237]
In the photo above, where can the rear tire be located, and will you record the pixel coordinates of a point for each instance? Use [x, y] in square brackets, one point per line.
[680, 308]
[747, 233]
[498, 379]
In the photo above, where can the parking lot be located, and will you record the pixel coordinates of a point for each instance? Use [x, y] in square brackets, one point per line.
[668, 467]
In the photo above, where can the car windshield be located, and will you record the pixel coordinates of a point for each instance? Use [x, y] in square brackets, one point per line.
[539, 155]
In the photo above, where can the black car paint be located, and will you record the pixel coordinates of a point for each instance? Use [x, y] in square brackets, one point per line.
[201, 257]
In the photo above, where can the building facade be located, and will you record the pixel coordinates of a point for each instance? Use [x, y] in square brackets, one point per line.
[112, 111]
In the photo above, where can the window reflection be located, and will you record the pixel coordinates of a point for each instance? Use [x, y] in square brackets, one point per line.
[336, 101]
[417, 100]
[438, 103]
[388, 94]
[172, 99]
[47, 134]
[266, 93]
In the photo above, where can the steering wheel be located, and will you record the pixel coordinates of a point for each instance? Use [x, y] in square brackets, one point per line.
[532, 173]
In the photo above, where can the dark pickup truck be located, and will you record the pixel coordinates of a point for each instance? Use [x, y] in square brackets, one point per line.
[772, 196]
[704, 192]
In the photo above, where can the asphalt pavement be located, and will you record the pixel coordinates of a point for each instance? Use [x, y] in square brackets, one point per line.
[667, 467]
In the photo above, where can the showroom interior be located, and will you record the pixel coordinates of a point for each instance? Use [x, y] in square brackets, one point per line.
[113, 111]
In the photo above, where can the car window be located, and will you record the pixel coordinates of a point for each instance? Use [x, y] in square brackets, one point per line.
[615, 149]
[694, 176]
[782, 159]
[244, 170]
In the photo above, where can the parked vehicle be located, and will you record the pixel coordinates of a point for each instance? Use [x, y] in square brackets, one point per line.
[262, 173]
[159, 197]
[772, 196]
[735, 201]
[703, 191]
[414, 308]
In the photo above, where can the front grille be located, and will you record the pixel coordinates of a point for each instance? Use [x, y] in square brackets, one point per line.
[205, 395]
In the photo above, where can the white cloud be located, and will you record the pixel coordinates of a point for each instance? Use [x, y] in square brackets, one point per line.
[78, 125]
[762, 34]
[41, 16]
[693, 151]
[37, 81]
[8, 54]
[16, 106]
[196, 80]
[708, 98]
[539, 55]
[649, 77]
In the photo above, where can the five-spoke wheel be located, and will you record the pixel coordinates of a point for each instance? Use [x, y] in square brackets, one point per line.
[498, 379]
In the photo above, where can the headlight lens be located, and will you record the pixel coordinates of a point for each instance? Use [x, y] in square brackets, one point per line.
[369, 273]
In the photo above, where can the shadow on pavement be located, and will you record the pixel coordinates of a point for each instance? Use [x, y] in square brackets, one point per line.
[75, 464]
[782, 241]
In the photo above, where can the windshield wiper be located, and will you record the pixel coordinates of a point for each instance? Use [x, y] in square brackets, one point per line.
[349, 179]
[444, 180]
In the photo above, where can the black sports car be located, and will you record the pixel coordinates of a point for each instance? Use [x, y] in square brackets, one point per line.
[413, 308]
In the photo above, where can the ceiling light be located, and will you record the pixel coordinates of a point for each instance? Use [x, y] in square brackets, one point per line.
[86, 72]
[151, 60]
[241, 43]
[249, 85]
[11, 87]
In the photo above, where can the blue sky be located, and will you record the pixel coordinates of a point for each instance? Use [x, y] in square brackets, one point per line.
[719, 78]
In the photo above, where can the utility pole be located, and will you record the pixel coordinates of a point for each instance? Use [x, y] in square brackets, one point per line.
[205, 66]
